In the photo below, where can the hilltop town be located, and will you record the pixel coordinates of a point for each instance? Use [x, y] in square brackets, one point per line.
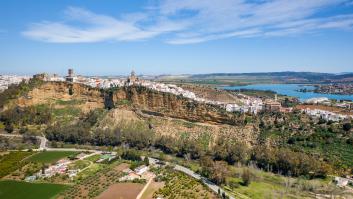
[242, 103]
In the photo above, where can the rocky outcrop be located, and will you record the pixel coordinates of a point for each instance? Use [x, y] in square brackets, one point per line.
[51, 92]
[167, 104]
[144, 99]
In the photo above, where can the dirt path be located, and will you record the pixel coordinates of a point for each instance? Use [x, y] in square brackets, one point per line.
[152, 188]
[144, 189]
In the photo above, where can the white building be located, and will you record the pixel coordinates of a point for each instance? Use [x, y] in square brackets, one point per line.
[317, 100]
[141, 169]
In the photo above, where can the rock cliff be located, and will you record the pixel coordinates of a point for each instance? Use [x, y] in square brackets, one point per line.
[144, 99]
[170, 105]
[51, 92]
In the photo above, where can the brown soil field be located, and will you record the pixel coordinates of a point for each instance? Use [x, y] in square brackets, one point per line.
[326, 108]
[122, 191]
[121, 167]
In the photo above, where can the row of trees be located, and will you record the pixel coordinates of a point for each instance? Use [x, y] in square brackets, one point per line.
[279, 160]
[289, 162]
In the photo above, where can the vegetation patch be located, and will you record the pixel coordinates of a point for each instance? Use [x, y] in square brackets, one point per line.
[79, 164]
[50, 156]
[19, 190]
[93, 158]
[179, 185]
[124, 102]
[12, 161]
[268, 185]
[95, 183]
[67, 111]
[28, 141]
[69, 102]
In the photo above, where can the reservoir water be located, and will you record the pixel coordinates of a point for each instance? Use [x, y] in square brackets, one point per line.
[290, 90]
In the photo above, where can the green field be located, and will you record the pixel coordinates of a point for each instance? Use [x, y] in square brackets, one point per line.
[12, 162]
[20, 190]
[50, 156]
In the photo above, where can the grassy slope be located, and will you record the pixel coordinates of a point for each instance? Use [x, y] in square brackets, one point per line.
[20, 190]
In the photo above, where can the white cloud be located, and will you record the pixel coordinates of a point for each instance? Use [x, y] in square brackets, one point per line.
[195, 21]
[94, 28]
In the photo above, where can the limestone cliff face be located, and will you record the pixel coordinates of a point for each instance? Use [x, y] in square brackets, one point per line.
[146, 100]
[50, 92]
[170, 105]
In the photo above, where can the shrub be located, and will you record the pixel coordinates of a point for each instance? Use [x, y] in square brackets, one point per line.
[347, 126]
[9, 128]
[246, 177]
[131, 155]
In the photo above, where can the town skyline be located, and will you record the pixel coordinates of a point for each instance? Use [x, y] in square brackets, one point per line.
[125, 73]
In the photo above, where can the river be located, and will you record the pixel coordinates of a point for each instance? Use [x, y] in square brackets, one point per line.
[290, 90]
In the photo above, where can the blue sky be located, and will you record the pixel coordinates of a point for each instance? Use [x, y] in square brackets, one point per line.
[112, 37]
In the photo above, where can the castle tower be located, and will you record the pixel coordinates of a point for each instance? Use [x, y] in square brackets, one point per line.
[70, 76]
[132, 78]
[70, 72]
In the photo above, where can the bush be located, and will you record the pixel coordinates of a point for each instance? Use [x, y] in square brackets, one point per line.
[131, 155]
[233, 184]
[9, 128]
[146, 161]
[246, 177]
[347, 126]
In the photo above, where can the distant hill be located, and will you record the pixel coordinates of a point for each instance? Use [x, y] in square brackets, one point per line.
[281, 76]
